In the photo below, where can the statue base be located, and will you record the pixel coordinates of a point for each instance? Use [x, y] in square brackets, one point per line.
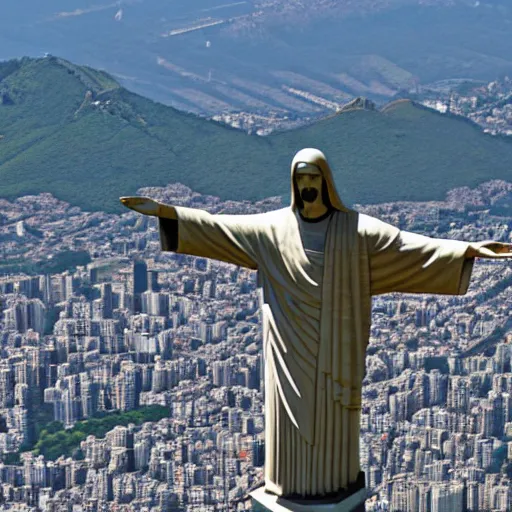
[351, 500]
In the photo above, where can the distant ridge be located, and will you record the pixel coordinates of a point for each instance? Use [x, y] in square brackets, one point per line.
[75, 132]
[399, 103]
[359, 103]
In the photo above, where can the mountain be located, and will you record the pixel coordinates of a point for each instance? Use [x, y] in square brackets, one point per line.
[75, 132]
[261, 56]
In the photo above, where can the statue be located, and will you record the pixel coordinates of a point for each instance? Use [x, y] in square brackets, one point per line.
[318, 263]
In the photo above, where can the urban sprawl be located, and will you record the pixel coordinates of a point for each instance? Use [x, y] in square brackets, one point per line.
[135, 331]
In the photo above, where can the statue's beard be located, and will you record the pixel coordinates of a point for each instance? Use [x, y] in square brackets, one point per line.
[309, 194]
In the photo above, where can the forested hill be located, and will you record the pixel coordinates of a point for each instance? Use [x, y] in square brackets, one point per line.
[74, 132]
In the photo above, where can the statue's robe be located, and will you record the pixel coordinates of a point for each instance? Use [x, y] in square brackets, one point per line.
[315, 333]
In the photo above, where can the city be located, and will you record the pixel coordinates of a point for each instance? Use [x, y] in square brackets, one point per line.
[135, 329]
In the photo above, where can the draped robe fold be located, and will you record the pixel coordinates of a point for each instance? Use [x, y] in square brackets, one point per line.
[315, 334]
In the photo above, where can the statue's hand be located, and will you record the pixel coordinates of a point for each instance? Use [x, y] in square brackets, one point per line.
[144, 205]
[489, 249]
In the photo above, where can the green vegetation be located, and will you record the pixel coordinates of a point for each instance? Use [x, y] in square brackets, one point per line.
[74, 132]
[64, 260]
[53, 440]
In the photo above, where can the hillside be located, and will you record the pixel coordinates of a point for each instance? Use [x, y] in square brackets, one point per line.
[75, 132]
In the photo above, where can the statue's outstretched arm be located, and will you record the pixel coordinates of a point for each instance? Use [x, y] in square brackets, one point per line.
[148, 206]
[229, 238]
[401, 261]
[489, 249]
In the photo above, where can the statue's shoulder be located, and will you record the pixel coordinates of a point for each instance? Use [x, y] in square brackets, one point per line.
[355, 219]
[365, 221]
[370, 226]
[261, 218]
[278, 216]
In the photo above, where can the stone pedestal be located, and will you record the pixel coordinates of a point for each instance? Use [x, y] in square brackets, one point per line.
[266, 502]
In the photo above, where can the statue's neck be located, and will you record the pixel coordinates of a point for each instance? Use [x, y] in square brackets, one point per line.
[312, 210]
[316, 217]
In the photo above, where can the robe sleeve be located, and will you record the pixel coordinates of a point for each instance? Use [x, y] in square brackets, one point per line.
[230, 238]
[401, 261]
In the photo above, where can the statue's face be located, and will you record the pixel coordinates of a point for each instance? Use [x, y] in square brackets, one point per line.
[310, 187]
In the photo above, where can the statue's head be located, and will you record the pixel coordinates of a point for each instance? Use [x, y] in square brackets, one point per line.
[312, 181]
[310, 186]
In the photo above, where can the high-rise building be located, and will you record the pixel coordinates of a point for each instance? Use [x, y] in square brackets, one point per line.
[258, 452]
[142, 454]
[458, 394]
[159, 381]
[153, 285]
[36, 315]
[71, 285]
[140, 283]
[248, 425]
[155, 303]
[7, 388]
[93, 274]
[25, 314]
[447, 497]
[127, 386]
[221, 373]
[206, 331]
[106, 297]
[46, 286]
[473, 497]
[165, 344]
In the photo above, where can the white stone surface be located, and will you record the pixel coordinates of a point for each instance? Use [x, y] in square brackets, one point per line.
[276, 504]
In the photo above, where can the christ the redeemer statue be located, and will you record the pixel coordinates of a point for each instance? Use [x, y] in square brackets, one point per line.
[318, 263]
